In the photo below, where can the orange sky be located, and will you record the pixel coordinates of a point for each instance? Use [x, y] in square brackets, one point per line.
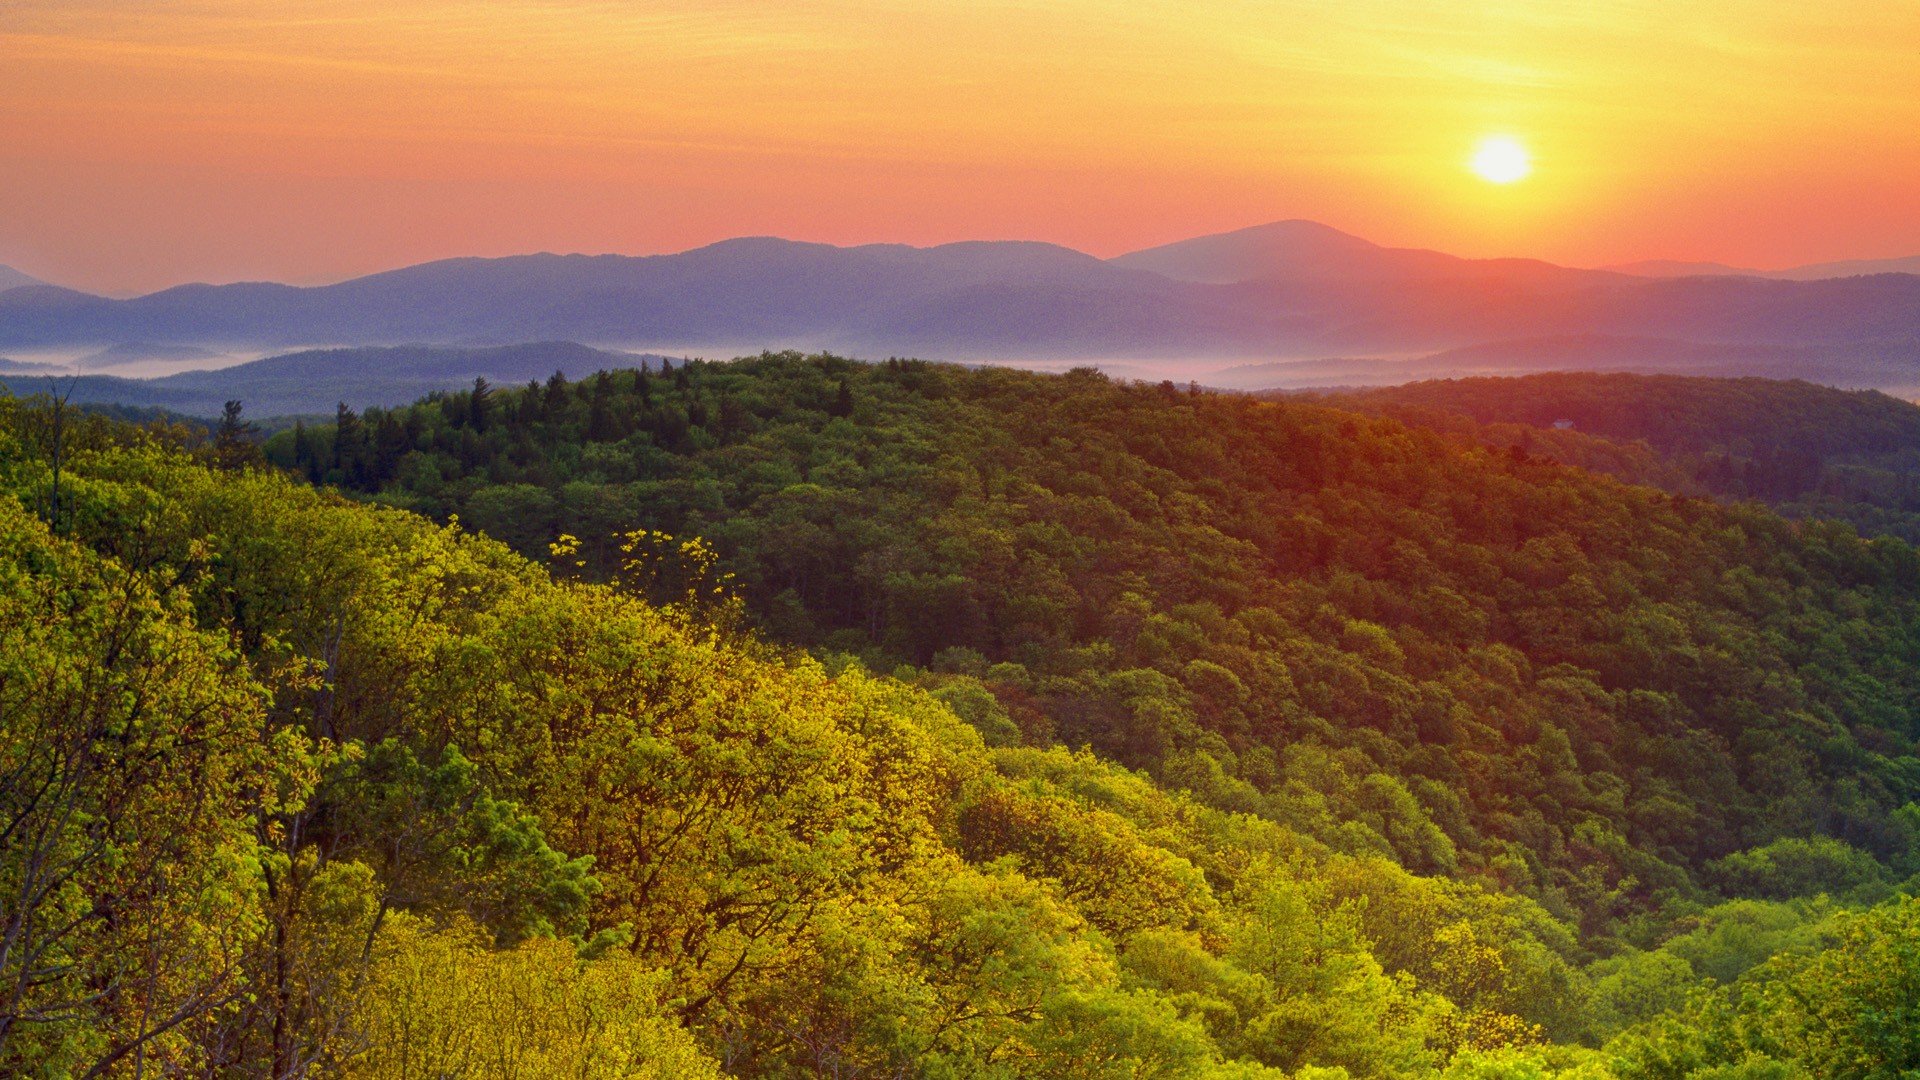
[145, 143]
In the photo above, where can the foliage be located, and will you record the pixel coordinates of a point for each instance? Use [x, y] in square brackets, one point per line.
[1401, 644]
[1434, 762]
[443, 1002]
[488, 771]
[1810, 451]
[1847, 1012]
[134, 773]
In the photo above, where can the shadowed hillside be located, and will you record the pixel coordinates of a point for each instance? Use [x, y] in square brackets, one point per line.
[1810, 451]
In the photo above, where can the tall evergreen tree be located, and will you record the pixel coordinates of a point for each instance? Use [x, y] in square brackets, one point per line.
[349, 443]
[236, 442]
[600, 422]
[532, 404]
[305, 458]
[480, 403]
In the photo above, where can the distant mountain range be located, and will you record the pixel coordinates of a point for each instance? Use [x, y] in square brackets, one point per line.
[1810, 272]
[1309, 252]
[140, 352]
[1275, 294]
[1892, 366]
[315, 381]
[28, 367]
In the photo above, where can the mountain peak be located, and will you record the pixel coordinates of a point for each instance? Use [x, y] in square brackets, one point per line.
[1294, 228]
[1277, 250]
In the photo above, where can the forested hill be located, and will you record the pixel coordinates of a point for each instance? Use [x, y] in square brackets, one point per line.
[1458, 764]
[1476, 662]
[1808, 450]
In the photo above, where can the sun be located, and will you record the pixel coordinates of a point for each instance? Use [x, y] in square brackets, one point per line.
[1500, 159]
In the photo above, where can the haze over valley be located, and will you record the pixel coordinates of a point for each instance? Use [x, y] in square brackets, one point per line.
[1291, 304]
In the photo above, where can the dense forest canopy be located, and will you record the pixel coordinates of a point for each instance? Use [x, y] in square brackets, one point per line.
[905, 720]
[1807, 450]
[1475, 662]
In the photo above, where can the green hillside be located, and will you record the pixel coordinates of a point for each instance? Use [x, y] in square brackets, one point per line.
[1478, 663]
[1451, 762]
[1807, 450]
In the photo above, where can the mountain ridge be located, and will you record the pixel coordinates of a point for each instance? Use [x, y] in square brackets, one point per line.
[1298, 249]
[1283, 291]
[315, 380]
[1820, 271]
[16, 279]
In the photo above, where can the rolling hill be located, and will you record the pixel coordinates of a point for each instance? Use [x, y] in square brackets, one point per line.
[129, 353]
[1809, 272]
[315, 380]
[1222, 740]
[1307, 251]
[1288, 291]
[1808, 451]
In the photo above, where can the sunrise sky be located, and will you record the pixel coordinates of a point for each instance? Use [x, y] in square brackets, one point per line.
[146, 143]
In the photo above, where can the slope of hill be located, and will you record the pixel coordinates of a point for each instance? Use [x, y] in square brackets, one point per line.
[366, 797]
[14, 279]
[139, 352]
[1680, 268]
[316, 380]
[1309, 251]
[1810, 451]
[1809, 272]
[1891, 365]
[27, 367]
[1850, 268]
[1264, 601]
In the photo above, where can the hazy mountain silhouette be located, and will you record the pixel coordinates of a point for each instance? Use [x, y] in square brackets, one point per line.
[1662, 268]
[1850, 268]
[1885, 365]
[14, 279]
[1289, 290]
[27, 367]
[1286, 251]
[316, 380]
[737, 294]
[140, 352]
[1809, 272]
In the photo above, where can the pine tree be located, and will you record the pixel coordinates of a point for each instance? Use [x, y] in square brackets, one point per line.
[532, 409]
[304, 458]
[349, 444]
[480, 404]
[390, 444]
[600, 424]
[235, 443]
